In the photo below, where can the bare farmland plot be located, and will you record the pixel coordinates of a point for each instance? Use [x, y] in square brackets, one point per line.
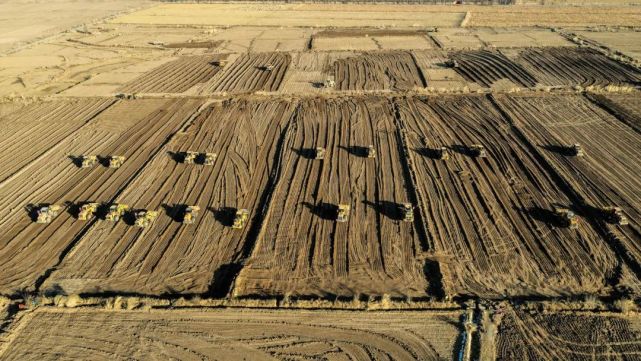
[250, 73]
[257, 335]
[170, 256]
[378, 71]
[301, 248]
[487, 67]
[607, 175]
[177, 76]
[134, 129]
[626, 107]
[575, 66]
[486, 217]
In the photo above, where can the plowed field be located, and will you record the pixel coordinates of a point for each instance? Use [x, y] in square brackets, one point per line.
[251, 73]
[626, 107]
[487, 67]
[486, 217]
[301, 249]
[377, 71]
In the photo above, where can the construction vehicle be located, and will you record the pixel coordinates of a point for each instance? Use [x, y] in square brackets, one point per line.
[116, 161]
[219, 62]
[442, 153]
[268, 67]
[189, 157]
[371, 152]
[566, 217]
[47, 213]
[329, 83]
[407, 211]
[477, 150]
[145, 217]
[576, 150]
[87, 210]
[190, 215]
[116, 211]
[615, 215]
[209, 158]
[320, 153]
[88, 161]
[453, 64]
[241, 217]
[343, 213]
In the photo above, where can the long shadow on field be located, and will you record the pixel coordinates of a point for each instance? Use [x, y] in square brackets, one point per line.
[308, 153]
[355, 150]
[323, 210]
[175, 211]
[223, 280]
[546, 216]
[224, 215]
[386, 208]
[433, 153]
[559, 149]
[76, 160]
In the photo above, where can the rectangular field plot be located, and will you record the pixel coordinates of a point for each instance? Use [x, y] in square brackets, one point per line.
[177, 76]
[606, 176]
[301, 248]
[231, 335]
[169, 256]
[626, 107]
[134, 129]
[489, 67]
[565, 66]
[378, 71]
[485, 217]
[252, 72]
[36, 129]
[568, 336]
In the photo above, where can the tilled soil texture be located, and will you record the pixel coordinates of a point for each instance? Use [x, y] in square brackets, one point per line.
[487, 219]
[135, 129]
[576, 66]
[169, 256]
[177, 76]
[607, 175]
[54, 334]
[252, 72]
[626, 107]
[211, 44]
[37, 129]
[566, 336]
[486, 67]
[302, 249]
[378, 71]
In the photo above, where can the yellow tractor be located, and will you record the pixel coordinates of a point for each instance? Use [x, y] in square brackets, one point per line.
[145, 217]
[576, 150]
[442, 153]
[88, 161]
[87, 210]
[407, 211]
[343, 213]
[615, 215]
[477, 150]
[116, 161]
[116, 211]
[241, 217]
[209, 158]
[47, 213]
[320, 153]
[190, 215]
[189, 157]
[329, 83]
[371, 152]
[566, 217]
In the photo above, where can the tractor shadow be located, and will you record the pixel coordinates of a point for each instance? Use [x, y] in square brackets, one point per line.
[175, 211]
[388, 209]
[433, 153]
[326, 211]
[355, 150]
[224, 215]
[76, 160]
[307, 153]
[559, 149]
[548, 216]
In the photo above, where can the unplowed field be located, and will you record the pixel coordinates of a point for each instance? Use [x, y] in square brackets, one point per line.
[576, 66]
[486, 217]
[170, 256]
[36, 129]
[135, 129]
[566, 336]
[626, 107]
[301, 249]
[231, 335]
[608, 174]
[377, 71]
[250, 73]
[176, 76]
[487, 67]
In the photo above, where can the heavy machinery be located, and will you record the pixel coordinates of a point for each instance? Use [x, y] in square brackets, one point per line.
[116, 161]
[241, 217]
[342, 213]
[319, 153]
[87, 210]
[329, 83]
[209, 158]
[190, 215]
[219, 62]
[145, 217]
[116, 211]
[189, 157]
[267, 67]
[88, 161]
[477, 150]
[407, 211]
[566, 217]
[47, 213]
[442, 153]
[371, 152]
[615, 215]
[576, 150]
[453, 64]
